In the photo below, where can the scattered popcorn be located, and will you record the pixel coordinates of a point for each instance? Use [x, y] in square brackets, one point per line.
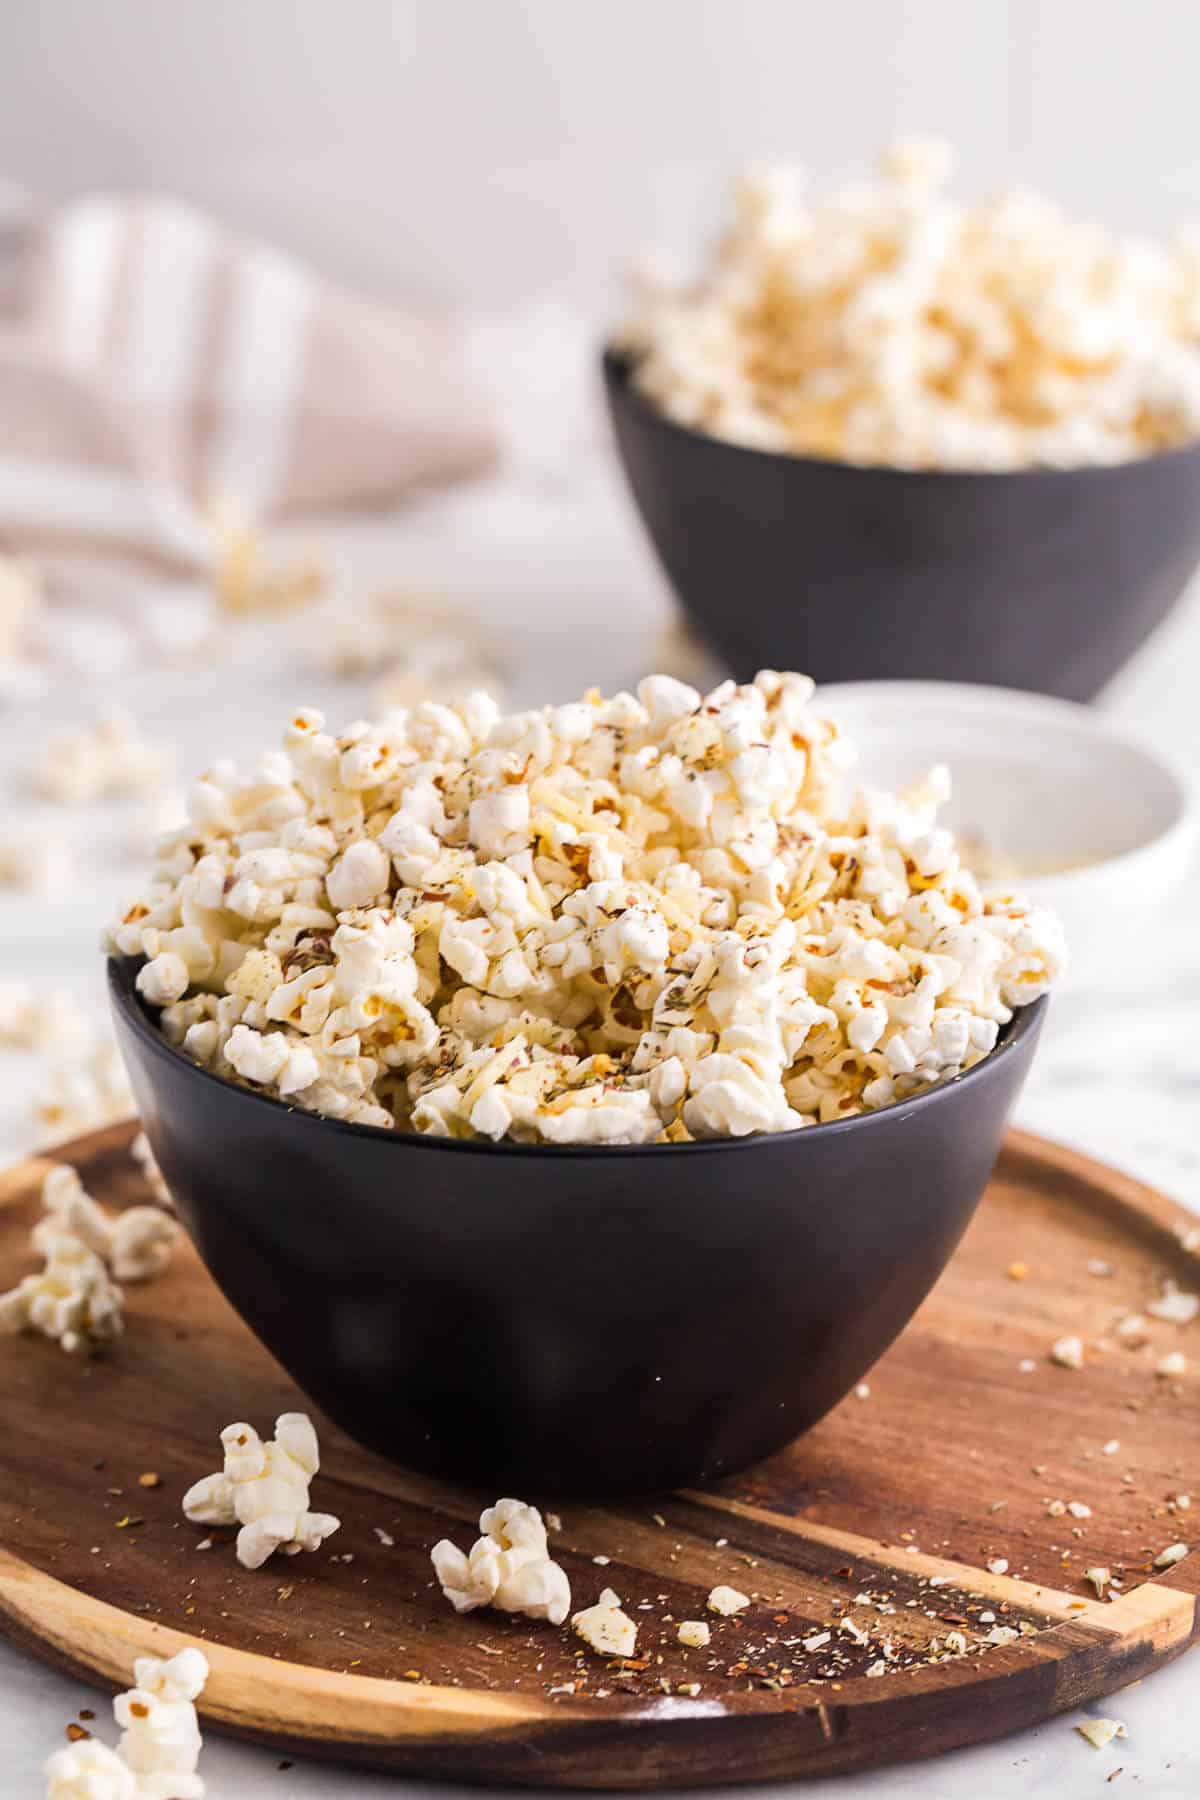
[1100, 1579]
[1098, 1266]
[1068, 1353]
[89, 1770]
[1056, 1508]
[1132, 1330]
[71, 1301]
[509, 1566]
[160, 1739]
[878, 1667]
[1175, 1306]
[817, 1641]
[727, 1600]
[81, 765]
[136, 1245]
[83, 1094]
[888, 324]
[1078, 1510]
[1172, 1554]
[1100, 1732]
[956, 1644]
[627, 920]
[605, 1628]
[862, 1391]
[52, 1022]
[146, 1161]
[998, 1565]
[1173, 1364]
[247, 580]
[1002, 1634]
[37, 860]
[1111, 1448]
[264, 1489]
[694, 1634]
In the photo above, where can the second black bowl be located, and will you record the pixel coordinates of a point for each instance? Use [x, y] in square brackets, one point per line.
[549, 1320]
[1046, 579]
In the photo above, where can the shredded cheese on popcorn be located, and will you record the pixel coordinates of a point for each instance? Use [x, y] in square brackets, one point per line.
[627, 920]
[889, 324]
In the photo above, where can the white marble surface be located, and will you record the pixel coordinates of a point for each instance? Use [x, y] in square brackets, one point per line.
[559, 578]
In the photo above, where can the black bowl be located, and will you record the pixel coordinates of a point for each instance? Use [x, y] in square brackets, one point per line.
[1047, 579]
[556, 1320]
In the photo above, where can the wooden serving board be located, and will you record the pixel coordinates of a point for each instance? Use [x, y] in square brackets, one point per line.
[887, 1513]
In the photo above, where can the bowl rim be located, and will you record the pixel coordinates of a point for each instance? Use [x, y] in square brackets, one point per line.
[1084, 722]
[124, 997]
[617, 367]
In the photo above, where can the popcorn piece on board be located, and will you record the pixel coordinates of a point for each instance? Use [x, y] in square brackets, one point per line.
[136, 1245]
[694, 1634]
[146, 1161]
[509, 1566]
[647, 918]
[605, 1628]
[71, 1301]
[53, 1022]
[82, 1093]
[263, 1487]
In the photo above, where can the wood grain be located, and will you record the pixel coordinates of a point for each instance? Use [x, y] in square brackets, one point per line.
[889, 1513]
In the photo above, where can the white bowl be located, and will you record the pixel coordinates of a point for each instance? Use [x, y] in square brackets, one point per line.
[1098, 825]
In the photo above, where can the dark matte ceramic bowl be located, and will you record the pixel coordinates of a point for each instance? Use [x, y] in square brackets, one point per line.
[1044, 578]
[554, 1320]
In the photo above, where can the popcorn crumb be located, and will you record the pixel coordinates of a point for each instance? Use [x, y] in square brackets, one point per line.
[82, 765]
[817, 1641]
[862, 1391]
[727, 1600]
[1111, 1448]
[509, 1566]
[1100, 1578]
[1078, 1509]
[694, 1634]
[878, 1667]
[1002, 1634]
[605, 1628]
[998, 1565]
[385, 1537]
[1068, 1353]
[263, 1488]
[1098, 1266]
[1132, 1330]
[1100, 1732]
[1173, 1364]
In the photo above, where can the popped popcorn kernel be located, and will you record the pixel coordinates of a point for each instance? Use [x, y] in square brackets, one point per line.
[643, 919]
[509, 1566]
[263, 1488]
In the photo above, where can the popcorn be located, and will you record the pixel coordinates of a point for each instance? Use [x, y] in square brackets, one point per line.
[642, 919]
[1174, 1305]
[152, 1175]
[53, 1022]
[694, 1634]
[84, 1093]
[134, 1246]
[727, 1600]
[1173, 1553]
[509, 1566]
[89, 1770]
[1067, 1352]
[160, 1737]
[888, 324]
[71, 1301]
[604, 1628]
[36, 860]
[160, 1740]
[82, 765]
[264, 1489]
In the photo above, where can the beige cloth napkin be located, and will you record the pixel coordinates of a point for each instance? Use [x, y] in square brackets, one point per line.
[153, 364]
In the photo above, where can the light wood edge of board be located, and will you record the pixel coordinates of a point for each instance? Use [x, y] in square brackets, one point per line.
[269, 1699]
